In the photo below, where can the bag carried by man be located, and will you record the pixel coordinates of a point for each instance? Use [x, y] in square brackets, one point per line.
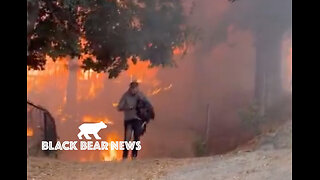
[145, 112]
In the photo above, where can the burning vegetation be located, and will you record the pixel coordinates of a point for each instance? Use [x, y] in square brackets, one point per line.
[29, 132]
[85, 91]
[91, 61]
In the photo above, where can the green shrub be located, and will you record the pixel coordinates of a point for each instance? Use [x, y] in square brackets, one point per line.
[251, 118]
[199, 147]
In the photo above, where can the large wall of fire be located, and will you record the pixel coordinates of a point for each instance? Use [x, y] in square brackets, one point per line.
[222, 76]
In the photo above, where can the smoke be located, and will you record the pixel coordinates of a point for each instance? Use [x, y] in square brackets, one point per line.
[219, 70]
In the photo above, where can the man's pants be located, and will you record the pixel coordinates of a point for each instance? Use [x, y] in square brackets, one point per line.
[132, 126]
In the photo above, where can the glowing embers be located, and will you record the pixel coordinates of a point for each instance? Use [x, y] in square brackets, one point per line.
[158, 90]
[29, 132]
[115, 104]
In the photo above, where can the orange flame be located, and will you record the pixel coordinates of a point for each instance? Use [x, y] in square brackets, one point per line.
[141, 71]
[55, 71]
[111, 155]
[29, 132]
[91, 119]
[179, 50]
[158, 90]
[89, 85]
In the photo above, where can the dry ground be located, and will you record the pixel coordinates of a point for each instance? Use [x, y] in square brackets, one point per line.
[270, 158]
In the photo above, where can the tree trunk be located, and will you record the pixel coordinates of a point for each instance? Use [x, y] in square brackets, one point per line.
[71, 96]
[268, 87]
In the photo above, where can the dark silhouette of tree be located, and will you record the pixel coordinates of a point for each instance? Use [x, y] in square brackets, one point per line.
[114, 30]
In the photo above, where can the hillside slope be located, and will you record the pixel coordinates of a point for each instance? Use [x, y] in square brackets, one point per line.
[268, 157]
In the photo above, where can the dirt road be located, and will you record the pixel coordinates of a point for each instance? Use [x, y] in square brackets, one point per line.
[271, 159]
